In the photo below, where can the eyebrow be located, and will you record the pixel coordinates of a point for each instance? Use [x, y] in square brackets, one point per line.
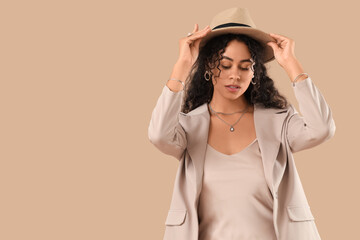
[244, 60]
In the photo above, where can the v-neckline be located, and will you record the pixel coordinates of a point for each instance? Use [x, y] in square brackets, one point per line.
[234, 154]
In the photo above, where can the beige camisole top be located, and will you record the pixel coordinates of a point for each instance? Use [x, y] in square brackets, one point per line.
[235, 202]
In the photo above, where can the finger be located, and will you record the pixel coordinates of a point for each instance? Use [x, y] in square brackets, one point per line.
[195, 28]
[202, 33]
[278, 36]
[199, 34]
[205, 28]
[273, 45]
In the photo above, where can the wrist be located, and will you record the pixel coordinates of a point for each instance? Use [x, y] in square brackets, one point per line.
[183, 64]
[175, 84]
[183, 60]
[293, 68]
[180, 71]
[291, 64]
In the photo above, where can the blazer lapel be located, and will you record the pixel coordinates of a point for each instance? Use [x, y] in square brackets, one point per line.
[268, 127]
[196, 124]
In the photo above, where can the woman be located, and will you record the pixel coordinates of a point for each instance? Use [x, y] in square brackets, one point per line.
[234, 135]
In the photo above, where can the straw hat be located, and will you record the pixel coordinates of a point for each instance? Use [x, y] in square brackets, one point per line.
[238, 20]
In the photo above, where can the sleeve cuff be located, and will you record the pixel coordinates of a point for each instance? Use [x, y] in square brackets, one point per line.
[168, 90]
[302, 83]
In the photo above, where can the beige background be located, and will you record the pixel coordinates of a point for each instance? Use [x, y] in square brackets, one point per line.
[79, 80]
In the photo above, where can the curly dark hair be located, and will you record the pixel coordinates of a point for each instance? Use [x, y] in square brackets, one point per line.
[198, 91]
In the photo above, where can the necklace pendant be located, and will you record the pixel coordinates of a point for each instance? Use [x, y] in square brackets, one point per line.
[232, 129]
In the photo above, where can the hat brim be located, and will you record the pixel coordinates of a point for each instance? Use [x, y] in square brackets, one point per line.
[254, 33]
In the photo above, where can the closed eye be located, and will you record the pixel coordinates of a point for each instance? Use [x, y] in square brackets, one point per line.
[226, 67]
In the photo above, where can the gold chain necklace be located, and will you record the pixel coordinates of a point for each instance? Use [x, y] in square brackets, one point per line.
[231, 125]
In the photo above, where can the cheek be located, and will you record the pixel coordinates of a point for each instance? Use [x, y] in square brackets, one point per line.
[218, 81]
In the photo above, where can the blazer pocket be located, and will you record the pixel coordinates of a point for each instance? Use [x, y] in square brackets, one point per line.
[175, 217]
[300, 213]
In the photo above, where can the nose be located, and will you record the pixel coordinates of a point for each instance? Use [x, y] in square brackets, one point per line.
[235, 75]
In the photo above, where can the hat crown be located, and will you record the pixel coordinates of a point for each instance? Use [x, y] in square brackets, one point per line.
[233, 15]
[237, 20]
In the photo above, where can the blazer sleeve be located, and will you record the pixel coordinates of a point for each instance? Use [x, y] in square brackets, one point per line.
[316, 125]
[165, 131]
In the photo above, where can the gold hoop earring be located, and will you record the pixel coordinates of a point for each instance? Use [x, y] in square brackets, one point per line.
[207, 74]
[253, 81]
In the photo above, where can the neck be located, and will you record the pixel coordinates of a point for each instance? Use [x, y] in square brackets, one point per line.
[228, 105]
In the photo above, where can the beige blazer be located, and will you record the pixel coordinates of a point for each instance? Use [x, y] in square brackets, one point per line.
[279, 132]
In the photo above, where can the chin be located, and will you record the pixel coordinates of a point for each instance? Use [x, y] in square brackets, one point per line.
[233, 96]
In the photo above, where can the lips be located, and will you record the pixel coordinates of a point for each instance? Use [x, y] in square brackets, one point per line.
[233, 88]
[237, 86]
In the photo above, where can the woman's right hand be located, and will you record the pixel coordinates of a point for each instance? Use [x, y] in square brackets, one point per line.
[189, 46]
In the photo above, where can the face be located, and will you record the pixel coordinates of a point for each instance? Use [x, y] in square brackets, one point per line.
[236, 69]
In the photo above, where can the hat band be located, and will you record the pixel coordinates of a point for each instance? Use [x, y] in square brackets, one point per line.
[231, 25]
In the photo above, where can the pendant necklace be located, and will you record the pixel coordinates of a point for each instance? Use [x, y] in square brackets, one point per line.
[231, 126]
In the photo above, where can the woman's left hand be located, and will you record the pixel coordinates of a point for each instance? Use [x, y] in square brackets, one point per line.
[283, 49]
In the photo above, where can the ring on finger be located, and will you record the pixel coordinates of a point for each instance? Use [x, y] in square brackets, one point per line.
[189, 34]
